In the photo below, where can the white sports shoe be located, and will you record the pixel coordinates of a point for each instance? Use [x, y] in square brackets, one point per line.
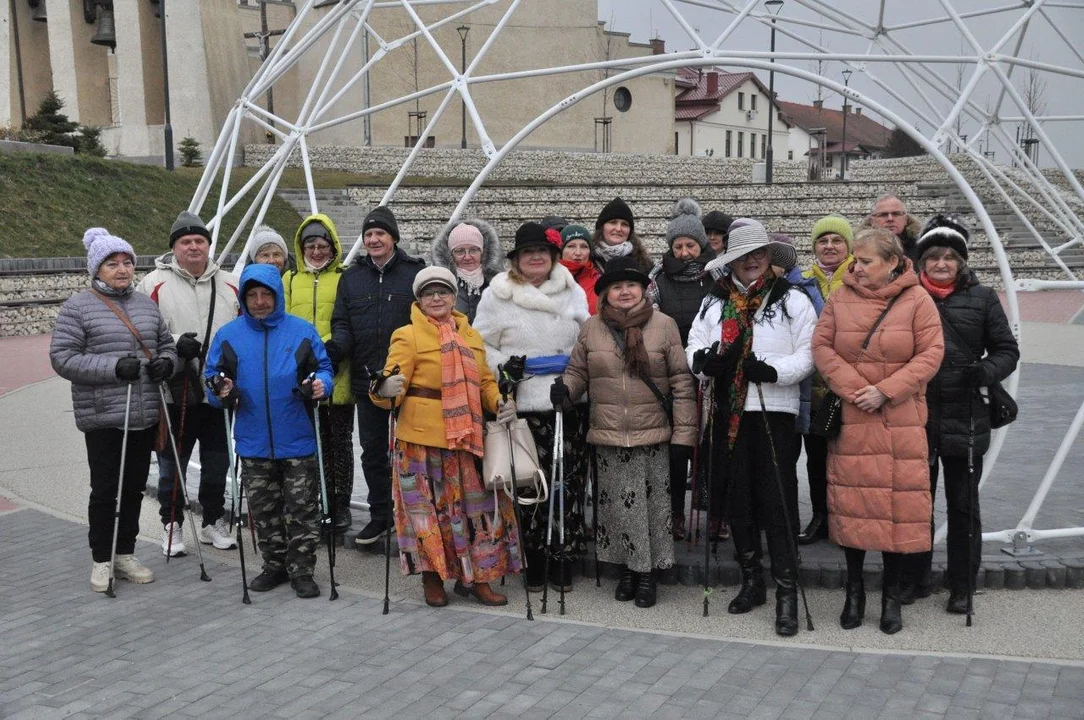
[217, 535]
[99, 577]
[129, 567]
[177, 549]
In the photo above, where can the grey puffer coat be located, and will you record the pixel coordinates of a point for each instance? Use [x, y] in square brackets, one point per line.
[88, 341]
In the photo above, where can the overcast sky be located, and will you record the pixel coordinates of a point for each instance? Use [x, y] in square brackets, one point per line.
[1063, 95]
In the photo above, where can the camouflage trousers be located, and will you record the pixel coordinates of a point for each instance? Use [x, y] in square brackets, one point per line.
[284, 500]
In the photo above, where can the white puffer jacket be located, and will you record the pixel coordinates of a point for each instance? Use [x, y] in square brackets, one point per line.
[521, 319]
[781, 341]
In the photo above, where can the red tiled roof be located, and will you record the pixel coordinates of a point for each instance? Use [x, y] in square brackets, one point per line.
[861, 129]
[693, 112]
[693, 100]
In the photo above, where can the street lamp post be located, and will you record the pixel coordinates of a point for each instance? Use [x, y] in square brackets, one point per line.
[463, 30]
[168, 130]
[774, 6]
[843, 145]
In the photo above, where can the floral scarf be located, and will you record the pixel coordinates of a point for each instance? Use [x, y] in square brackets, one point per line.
[460, 390]
[739, 307]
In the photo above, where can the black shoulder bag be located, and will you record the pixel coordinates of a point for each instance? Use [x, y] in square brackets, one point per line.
[1003, 409]
[829, 418]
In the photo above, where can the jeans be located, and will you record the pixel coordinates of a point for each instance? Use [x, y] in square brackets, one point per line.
[373, 437]
[205, 424]
[103, 456]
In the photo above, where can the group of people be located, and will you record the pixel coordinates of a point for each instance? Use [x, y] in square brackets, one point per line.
[720, 356]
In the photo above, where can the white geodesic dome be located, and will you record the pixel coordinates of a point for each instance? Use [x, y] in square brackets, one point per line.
[896, 81]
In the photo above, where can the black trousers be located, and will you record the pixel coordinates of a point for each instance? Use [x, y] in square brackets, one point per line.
[373, 437]
[816, 467]
[680, 457]
[894, 566]
[964, 543]
[103, 456]
[206, 425]
[752, 495]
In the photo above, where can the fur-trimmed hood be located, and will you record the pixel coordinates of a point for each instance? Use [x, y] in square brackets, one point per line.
[492, 258]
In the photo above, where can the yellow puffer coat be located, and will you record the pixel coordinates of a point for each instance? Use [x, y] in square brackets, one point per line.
[311, 295]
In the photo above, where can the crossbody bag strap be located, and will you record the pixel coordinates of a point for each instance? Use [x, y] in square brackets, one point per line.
[642, 375]
[865, 343]
[124, 319]
[207, 332]
[956, 334]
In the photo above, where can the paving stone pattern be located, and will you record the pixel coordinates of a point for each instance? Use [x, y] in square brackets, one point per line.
[173, 648]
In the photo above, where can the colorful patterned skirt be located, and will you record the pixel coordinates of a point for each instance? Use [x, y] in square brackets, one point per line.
[444, 519]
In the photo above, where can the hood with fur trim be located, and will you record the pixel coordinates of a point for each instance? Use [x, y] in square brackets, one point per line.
[492, 258]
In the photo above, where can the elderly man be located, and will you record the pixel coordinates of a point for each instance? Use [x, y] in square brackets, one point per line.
[195, 298]
[889, 213]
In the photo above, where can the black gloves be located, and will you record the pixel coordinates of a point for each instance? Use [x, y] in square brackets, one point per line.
[708, 361]
[334, 351]
[128, 369]
[559, 397]
[758, 371]
[978, 375]
[305, 390]
[159, 369]
[515, 367]
[681, 453]
[188, 346]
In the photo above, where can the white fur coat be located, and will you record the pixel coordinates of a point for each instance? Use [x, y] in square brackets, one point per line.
[521, 319]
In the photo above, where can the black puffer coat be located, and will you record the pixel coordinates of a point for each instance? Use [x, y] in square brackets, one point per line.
[975, 312]
[371, 304]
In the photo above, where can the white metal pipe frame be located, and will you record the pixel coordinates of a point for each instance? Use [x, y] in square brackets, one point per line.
[329, 37]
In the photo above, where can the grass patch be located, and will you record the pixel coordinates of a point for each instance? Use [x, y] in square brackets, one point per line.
[47, 201]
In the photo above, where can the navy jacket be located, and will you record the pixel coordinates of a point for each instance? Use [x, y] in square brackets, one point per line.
[267, 360]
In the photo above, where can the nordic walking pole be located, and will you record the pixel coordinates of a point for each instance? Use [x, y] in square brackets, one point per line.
[692, 528]
[792, 542]
[561, 477]
[176, 462]
[120, 490]
[973, 501]
[235, 490]
[325, 519]
[709, 425]
[184, 489]
[594, 511]
[393, 416]
[549, 515]
[515, 491]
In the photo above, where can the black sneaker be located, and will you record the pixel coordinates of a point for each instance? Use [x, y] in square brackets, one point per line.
[305, 587]
[372, 532]
[268, 580]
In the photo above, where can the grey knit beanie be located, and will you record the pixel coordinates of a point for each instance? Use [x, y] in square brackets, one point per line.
[685, 222]
[267, 235]
[187, 224]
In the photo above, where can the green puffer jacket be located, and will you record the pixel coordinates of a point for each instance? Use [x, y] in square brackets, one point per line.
[311, 295]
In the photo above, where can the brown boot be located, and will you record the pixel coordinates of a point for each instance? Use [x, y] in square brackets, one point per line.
[482, 592]
[434, 590]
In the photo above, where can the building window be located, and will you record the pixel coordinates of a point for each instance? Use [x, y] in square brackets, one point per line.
[831, 160]
[741, 101]
[763, 145]
[752, 101]
[741, 142]
[728, 143]
[677, 144]
[790, 154]
[753, 145]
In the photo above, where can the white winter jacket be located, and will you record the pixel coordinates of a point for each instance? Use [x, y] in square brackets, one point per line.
[782, 342]
[521, 319]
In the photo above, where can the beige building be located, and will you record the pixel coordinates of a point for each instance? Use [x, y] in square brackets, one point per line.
[211, 62]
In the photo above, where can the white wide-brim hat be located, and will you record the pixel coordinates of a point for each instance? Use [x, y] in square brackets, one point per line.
[747, 235]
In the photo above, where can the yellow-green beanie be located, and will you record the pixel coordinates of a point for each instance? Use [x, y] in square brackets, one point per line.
[833, 224]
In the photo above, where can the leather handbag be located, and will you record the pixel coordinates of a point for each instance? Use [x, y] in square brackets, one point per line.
[1000, 404]
[497, 465]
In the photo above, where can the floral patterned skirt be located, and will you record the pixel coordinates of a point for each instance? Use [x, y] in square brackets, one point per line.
[634, 507]
[536, 517]
[446, 522]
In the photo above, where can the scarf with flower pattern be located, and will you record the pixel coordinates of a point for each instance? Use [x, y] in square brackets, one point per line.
[737, 328]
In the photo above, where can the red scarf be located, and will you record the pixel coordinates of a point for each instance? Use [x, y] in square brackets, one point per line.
[938, 290]
[585, 274]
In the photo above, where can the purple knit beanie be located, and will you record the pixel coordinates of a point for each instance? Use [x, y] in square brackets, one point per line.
[100, 245]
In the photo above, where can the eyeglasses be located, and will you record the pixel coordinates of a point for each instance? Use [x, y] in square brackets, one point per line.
[758, 254]
[889, 214]
[318, 247]
[435, 292]
[465, 251]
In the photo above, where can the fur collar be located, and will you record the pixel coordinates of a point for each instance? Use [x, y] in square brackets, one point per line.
[527, 296]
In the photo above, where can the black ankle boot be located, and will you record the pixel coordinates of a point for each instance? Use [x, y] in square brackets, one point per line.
[891, 618]
[957, 602]
[786, 608]
[753, 593]
[626, 586]
[646, 589]
[817, 529]
[854, 607]
[536, 570]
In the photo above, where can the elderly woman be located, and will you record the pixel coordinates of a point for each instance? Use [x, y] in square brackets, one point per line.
[472, 250]
[615, 236]
[535, 311]
[446, 524]
[310, 293]
[752, 338]
[678, 285]
[980, 350]
[877, 345]
[115, 348]
[629, 359]
[832, 237]
[269, 248]
[577, 259]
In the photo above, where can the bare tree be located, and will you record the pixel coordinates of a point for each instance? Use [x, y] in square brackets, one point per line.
[1035, 99]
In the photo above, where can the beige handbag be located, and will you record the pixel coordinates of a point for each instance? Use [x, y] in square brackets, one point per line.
[496, 465]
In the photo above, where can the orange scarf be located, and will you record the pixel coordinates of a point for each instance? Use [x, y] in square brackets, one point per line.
[460, 390]
[938, 290]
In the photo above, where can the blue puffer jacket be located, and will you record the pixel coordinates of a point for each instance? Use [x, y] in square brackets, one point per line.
[813, 292]
[267, 360]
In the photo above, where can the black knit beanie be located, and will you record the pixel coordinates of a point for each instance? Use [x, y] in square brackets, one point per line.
[381, 217]
[616, 209]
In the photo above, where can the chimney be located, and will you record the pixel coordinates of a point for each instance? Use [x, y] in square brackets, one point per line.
[713, 83]
[858, 111]
[658, 46]
[819, 104]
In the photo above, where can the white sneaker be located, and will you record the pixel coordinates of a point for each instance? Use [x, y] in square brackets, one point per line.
[217, 535]
[129, 567]
[99, 577]
[177, 549]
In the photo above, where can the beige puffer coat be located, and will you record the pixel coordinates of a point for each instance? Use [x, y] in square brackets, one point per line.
[624, 411]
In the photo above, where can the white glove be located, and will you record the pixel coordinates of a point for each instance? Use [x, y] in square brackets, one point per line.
[506, 412]
[392, 387]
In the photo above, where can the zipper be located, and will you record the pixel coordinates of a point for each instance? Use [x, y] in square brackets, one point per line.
[267, 396]
[625, 409]
[315, 288]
